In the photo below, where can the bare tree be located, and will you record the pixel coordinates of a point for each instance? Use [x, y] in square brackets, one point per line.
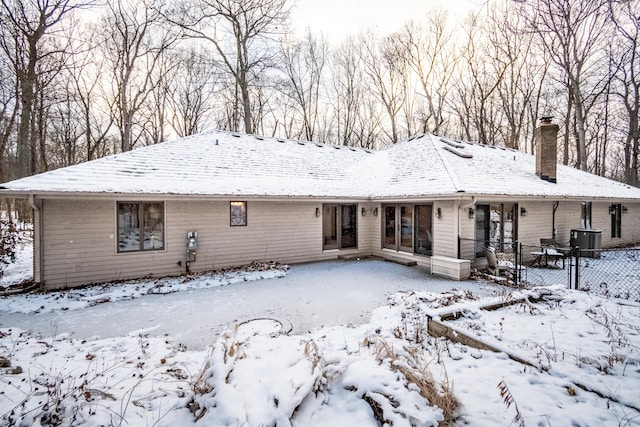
[571, 33]
[385, 64]
[133, 42]
[92, 104]
[347, 90]
[31, 26]
[8, 108]
[248, 52]
[625, 15]
[303, 64]
[155, 113]
[192, 90]
[513, 49]
[429, 48]
[478, 109]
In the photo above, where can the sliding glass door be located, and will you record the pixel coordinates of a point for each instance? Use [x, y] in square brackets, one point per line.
[339, 226]
[408, 228]
[424, 223]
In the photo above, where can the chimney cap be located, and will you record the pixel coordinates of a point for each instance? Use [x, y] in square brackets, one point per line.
[546, 119]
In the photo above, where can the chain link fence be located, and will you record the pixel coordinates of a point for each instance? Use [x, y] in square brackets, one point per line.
[606, 272]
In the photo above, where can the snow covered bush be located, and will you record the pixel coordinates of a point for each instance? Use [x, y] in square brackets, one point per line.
[8, 242]
[260, 377]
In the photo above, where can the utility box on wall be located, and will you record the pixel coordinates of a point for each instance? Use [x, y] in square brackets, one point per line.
[192, 241]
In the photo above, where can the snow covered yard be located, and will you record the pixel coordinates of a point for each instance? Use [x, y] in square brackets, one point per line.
[308, 347]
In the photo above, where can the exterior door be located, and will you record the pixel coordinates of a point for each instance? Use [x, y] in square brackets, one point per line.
[398, 227]
[423, 239]
[406, 228]
[389, 228]
[496, 226]
[482, 229]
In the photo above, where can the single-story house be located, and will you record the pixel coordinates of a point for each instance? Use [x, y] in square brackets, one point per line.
[223, 199]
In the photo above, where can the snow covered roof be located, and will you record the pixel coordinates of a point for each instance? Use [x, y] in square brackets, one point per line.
[222, 164]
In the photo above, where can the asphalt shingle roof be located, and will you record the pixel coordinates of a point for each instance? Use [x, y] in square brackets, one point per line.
[229, 164]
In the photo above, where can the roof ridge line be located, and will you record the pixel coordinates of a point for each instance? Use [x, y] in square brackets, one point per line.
[447, 167]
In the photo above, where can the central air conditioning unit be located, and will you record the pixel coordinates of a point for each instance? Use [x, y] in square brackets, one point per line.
[589, 241]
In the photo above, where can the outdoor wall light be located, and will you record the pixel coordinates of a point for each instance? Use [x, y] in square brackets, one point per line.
[523, 212]
[364, 212]
[438, 213]
[375, 211]
[612, 210]
[471, 213]
[317, 212]
[624, 209]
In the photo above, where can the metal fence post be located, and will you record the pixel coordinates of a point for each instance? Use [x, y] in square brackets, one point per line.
[518, 263]
[574, 276]
[577, 286]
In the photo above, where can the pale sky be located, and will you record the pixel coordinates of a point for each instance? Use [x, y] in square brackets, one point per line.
[339, 18]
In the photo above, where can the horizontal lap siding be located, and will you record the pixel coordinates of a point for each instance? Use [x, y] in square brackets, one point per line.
[284, 232]
[467, 232]
[79, 239]
[445, 230]
[539, 222]
[630, 226]
[78, 242]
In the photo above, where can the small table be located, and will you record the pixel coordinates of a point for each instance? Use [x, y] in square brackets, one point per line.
[538, 258]
[544, 255]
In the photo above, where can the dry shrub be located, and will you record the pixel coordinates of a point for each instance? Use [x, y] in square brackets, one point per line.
[415, 369]
[312, 352]
[200, 385]
[509, 401]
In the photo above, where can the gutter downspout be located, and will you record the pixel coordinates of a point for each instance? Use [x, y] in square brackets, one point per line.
[36, 204]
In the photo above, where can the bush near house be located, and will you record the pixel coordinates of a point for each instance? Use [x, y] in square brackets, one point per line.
[8, 242]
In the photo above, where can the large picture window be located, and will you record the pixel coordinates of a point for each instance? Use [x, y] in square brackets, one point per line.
[140, 226]
[339, 226]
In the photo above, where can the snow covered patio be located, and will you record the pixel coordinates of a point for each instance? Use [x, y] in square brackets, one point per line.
[332, 343]
[303, 298]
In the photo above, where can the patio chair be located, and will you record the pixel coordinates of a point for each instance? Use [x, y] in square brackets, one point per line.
[498, 263]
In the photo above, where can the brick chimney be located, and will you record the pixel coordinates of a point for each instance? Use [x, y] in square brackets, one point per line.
[546, 138]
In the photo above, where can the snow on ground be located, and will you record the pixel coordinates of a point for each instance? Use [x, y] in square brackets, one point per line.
[22, 268]
[334, 343]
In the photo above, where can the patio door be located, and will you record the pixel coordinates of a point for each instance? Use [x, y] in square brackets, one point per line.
[398, 227]
[423, 226]
[496, 225]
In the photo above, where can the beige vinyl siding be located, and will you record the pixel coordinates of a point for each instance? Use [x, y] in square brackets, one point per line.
[79, 239]
[601, 220]
[368, 228]
[467, 231]
[79, 244]
[630, 224]
[537, 224]
[445, 229]
[284, 232]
